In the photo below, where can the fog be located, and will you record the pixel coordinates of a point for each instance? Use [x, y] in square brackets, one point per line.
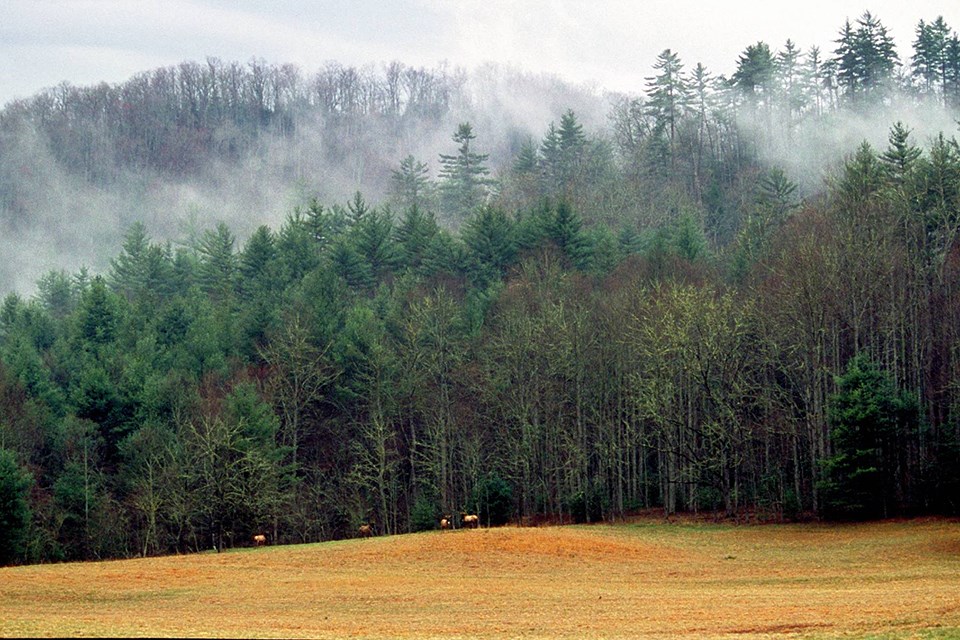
[67, 205]
[55, 218]
[813, 149]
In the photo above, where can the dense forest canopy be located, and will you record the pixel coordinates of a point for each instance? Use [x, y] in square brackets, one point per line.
[692, 303]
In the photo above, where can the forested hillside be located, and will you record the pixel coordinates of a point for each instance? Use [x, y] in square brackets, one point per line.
[184, 147]
[669, 309]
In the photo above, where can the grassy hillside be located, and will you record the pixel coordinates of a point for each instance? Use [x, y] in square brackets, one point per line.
[893, 579]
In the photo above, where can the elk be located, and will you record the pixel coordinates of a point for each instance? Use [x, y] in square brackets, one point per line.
[365, 531]
[471, 520]
[259, 539]
[444, 523]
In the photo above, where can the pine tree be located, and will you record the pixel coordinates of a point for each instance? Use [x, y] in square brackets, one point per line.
[668, 96]
[373, 238]
[814, 79]
[901, 155]
[866, 58]
[788, 70]
[930, 57]
[297, 251]
[413, 236]
[869, 418]
[257, 259]
[219, 265]
[951, 76]
[410, 185]
[550, 158]
[15, 483]
[755, 72]
[464, 183]
[142, 270]
[572, 145]
[490, 240]
[566, 231]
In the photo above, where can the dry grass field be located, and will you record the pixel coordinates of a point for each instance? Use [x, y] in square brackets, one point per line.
[641, 580]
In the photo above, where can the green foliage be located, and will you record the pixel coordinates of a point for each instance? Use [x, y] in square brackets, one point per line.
[489, 240]
[865, 57]
[15, 514]
[464, 184]
[425, 514]
[755, 70]
[668, 94]
[688, 238]
[869, 418]
[900, 157]
[99, 315]
[587, 505]
[410, 185]
[569, 330]
[566, 231]
[492, 498]
[218, 263]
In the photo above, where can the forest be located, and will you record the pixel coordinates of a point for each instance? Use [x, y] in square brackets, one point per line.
[649, 315]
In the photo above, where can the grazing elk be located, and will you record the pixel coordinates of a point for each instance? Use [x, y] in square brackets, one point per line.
[471, 520]
[365, 531]
[445, 522]
[259, 540]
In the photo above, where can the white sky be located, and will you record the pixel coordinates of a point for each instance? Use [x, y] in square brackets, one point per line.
[609, 43]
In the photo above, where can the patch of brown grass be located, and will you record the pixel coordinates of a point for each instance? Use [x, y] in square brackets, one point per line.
[897, 579]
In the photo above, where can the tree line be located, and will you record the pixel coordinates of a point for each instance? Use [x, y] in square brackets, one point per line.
[505, 343]
[680, 142]
[360, 365]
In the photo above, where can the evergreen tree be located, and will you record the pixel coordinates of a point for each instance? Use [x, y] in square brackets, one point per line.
[57, 293]
[297, 252]
[866, 58]
[527, 160]
[357, 209]
[755, 72]
[373, 238]
[348, 263]
[489, 239]
[15, 514]
[668, 96]
[789, 76]
[413, 236]
[445, 255]
[551, 158]
[464, 183]
[861, 177]
[257, 262]
[952, 72]
[573, 143]
[815, 80]
[99, 314]
[566, 231]
[929, 64]
[901, 155]
[410, 185]
[219, 267]
[869, 419]
[143, 271]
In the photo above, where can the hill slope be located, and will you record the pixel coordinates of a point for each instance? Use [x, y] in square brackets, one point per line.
[184, 147]
[622, 581]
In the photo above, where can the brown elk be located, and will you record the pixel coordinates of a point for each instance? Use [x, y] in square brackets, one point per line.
[445, 523]
[259, 539]
[365, 531]
[471, 520]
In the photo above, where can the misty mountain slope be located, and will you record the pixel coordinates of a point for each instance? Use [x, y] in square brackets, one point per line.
[184, 147]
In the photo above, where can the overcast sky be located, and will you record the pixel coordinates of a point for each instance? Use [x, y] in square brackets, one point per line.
[609, 43]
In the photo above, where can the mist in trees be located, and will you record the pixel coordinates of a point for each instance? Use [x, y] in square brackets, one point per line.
[566, 320]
